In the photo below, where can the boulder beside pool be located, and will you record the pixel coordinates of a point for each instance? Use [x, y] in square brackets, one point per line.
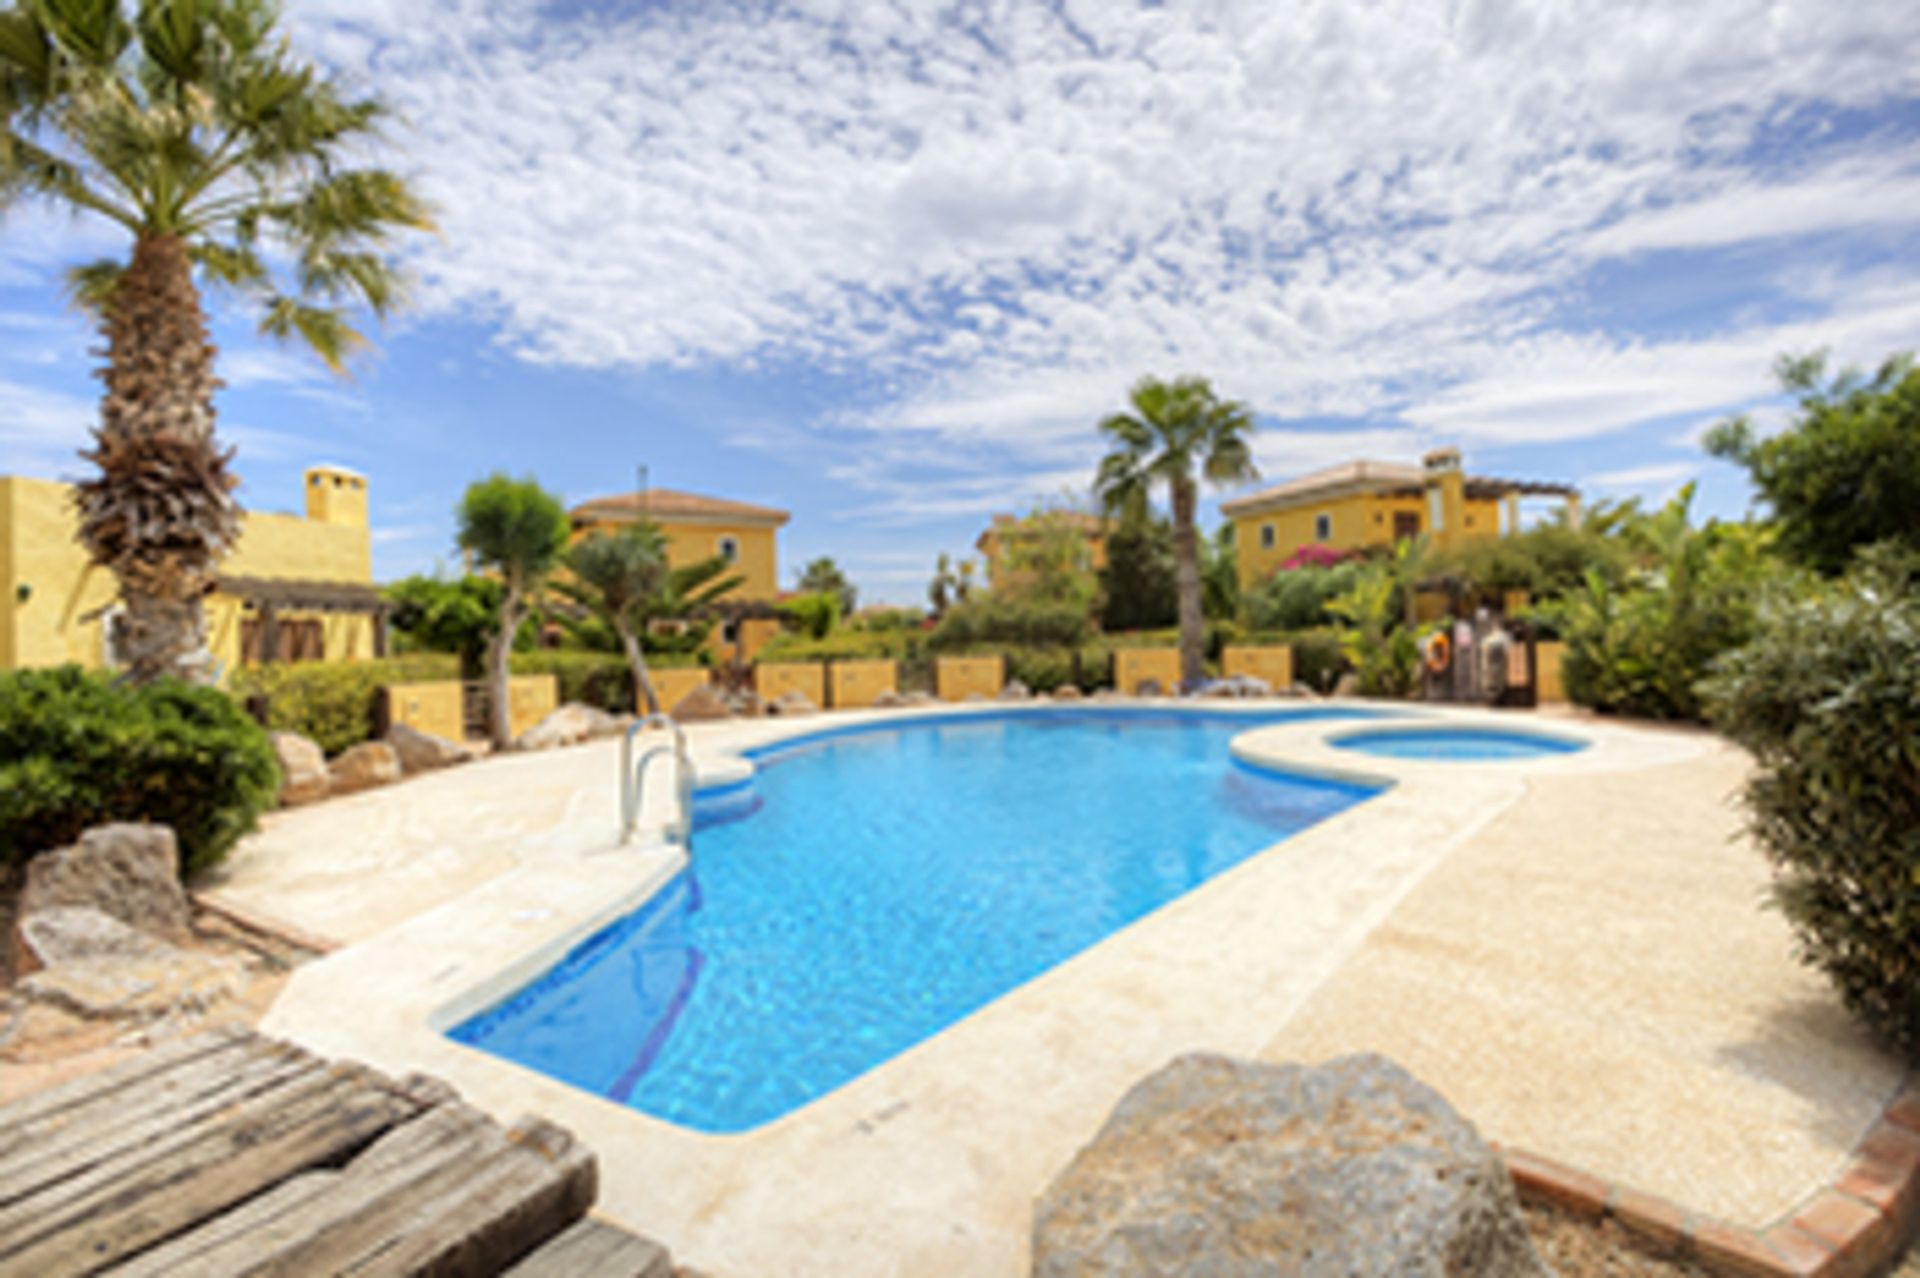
[1219, 1166]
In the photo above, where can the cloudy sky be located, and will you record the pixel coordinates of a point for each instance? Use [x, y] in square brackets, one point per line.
[885, 264]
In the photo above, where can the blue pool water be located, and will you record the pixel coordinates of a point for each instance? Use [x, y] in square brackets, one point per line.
[1455, 743]
[870, 887]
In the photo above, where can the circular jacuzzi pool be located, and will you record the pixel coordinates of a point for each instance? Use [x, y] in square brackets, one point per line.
[1456, 743]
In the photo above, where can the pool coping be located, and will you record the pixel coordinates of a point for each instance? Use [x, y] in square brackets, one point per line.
[391, 997]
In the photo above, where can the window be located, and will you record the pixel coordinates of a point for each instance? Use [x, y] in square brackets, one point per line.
[730, 632]
[1323, 527]
[730, 549]
[1266, 536]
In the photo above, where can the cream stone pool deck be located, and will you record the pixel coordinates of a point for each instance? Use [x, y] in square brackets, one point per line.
[1570, 948]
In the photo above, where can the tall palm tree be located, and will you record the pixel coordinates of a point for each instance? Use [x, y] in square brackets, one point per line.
[1177, 433]
[190, 125]
[516, 530]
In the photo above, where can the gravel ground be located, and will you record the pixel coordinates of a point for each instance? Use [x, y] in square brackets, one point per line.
[1578, 1248]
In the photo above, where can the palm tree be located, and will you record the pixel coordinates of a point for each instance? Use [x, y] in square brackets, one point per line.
[517, 530]
[190, 125]
[613, 577]
[1175, 429]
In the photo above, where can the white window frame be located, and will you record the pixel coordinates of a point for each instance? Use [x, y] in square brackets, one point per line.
[730, 549]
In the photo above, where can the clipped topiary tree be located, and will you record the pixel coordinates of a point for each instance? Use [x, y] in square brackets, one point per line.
[77, 752]
[1827, 697]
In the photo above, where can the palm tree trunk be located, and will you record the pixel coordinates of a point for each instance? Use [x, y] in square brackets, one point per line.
[1186, 556]
[161, 514]
[637, 662]
[499, 654]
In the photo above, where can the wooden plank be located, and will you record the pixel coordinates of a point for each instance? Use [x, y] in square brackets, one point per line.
[21, 1121]
[110, 1136]
[288, 1216]
[117, 1211]
[534, 1183]
[594, 1247]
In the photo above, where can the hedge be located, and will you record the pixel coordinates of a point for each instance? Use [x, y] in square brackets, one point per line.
[1827, 698]
[332, 702]
[77, 751]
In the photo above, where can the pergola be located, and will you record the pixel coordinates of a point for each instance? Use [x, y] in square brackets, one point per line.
[270, 596]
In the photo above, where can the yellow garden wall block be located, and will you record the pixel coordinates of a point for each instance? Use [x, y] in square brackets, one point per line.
[957, 678]
[1273, 664]
[855, 685]
[672, 685]
[429, 707]
[773, 680]
[531, 698]
[1133, 666]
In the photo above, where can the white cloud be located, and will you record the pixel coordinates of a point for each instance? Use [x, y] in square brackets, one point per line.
[1654, 475]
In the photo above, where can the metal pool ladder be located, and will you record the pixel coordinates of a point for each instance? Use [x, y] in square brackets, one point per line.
[633, 777]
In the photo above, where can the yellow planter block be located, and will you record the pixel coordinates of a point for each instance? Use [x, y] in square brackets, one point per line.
[808, 678]
[673, 685]
[1547, 657]
[1274, 664]
[1133, 666]
[428, 707]
[531, 698]
[857, 684]
[957, 678]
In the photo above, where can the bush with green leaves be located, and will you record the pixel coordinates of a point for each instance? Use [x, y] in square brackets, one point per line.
[998, 621]
[814, 616]
[1383, 651]
[1319, 658]
[1297, 598]
[77, 751]
[600, 679]
[333, 703]
[1640, 645]
[1827, 698]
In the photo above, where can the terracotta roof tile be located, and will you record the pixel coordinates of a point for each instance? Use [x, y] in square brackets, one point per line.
[668, 503]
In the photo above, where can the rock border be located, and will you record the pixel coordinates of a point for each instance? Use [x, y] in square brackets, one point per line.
[1852, 1227]
[248, 920]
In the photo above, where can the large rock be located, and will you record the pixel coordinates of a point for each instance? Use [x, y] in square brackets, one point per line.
[369, 764]
[792, 702]
[1016, 691]
[704, 704]
[424, 751]
[1066, 692]
[128, 872]
[1226, 1168]
[303, 768]
[888, 700]
[570, 725]
[94, 967]
[80, 933]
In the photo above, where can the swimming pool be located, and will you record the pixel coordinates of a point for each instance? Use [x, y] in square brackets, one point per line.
[1456, 743]
[871, 886]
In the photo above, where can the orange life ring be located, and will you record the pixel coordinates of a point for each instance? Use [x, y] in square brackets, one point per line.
[1439, 652]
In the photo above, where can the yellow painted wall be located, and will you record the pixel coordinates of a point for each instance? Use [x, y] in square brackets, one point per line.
[37, 549]
[773, 680]
[1273, 664]
[1359, 520]
[856, 684]
[672, 685]
[531, 698]
[430, 707]
[1133, 665]
[957, 678]
[755, 634]
[690, 543]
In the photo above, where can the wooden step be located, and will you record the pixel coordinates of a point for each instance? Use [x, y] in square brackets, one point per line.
[593, 1247]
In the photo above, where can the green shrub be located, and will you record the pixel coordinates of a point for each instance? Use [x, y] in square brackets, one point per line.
[332, 702]
[77, 751]
[1827, 697]
[1297, 598]
[1319, 659]
[997, 621]
[601, 679]
[843, 645]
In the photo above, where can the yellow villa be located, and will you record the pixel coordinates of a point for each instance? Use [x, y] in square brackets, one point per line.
[293, 588]
[698, 528]
[1373, 503]
[1006, 531]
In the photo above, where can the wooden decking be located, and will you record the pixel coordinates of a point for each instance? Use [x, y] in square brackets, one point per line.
[230, 1153]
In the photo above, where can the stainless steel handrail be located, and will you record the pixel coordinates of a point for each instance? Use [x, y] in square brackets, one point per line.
[633, 777]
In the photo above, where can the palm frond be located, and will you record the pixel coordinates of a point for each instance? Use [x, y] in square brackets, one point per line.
[322, 328]
[90, 285]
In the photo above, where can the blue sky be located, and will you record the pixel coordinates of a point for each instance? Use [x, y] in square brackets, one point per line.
[884, 265]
